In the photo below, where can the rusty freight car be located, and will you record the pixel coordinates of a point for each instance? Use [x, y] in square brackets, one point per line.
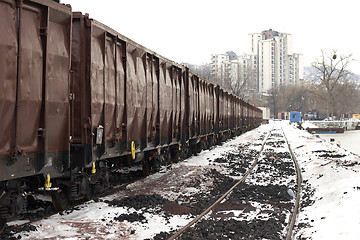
[35, 49]
[129, 103]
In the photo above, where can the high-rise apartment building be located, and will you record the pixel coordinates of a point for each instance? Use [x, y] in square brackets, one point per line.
[277, 64]
[269, 64]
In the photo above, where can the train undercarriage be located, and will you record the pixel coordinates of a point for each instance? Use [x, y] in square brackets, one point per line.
[85, 183]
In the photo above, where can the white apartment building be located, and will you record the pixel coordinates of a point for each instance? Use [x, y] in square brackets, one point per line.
[235, 73]
[270, 63]
[219, 64]
[277, 64]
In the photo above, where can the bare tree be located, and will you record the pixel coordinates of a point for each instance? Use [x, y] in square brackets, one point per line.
[347, 98]
[294, 98]
[273, 98]
[243, 84]
[332, 72]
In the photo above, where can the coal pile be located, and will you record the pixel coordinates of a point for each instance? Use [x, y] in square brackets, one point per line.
[275, 167]
[231, 229]
[201, 201]
[139, 202]
[6, 235]
[153, 204]
[124, 176]
[238, 163]
[307, 194]
[259, 193]
[132, 217]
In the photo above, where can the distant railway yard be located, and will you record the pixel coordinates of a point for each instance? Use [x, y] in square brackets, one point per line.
[261, 205]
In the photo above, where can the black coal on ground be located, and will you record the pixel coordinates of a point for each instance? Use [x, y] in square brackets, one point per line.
[231, 229]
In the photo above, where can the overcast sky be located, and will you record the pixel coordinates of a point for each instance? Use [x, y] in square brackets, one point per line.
[191, 30]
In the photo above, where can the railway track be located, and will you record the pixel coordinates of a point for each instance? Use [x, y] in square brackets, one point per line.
[250, 171]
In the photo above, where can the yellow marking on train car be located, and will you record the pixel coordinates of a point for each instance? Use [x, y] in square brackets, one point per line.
[93, 170]
[47, 181]
[133, 150]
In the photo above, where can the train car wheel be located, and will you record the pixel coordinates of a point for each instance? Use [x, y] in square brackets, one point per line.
[211, 141]
[146, 167]
[2, 224]
[174, 154]
[165, 157]
[89, 191]
[199, 147]
[61, 200]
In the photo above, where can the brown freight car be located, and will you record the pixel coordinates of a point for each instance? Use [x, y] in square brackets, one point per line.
[130, 104]
[35, 49]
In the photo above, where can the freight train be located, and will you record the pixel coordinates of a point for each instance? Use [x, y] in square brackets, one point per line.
[78, 100]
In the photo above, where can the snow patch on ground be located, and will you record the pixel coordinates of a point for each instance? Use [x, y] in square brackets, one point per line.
[333, 212]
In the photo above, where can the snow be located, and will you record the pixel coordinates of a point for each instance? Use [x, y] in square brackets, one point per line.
[308, 124]
[333, 212]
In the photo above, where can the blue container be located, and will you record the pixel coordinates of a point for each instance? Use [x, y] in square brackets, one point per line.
[295, 117]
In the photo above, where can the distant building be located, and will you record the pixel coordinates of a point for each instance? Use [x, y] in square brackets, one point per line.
[277, 64]
[269, 63]
[236, 73]
[219, 63]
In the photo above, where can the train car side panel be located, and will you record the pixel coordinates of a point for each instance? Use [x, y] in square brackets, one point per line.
[184, 105]
[8, 75]
[203, 106]
[194, 113]
[210, 111]
[36, 115]
[176, 92]
[165, 103]
[97, 89]
[111, 85]
[30, 87]
[216, 109]
[226, 111]
[222, 109]
[120, 110]
[152, 95]
[136, 97]
[57, 89]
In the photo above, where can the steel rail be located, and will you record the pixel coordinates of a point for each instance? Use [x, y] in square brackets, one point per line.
[298, 192]
[199, 217]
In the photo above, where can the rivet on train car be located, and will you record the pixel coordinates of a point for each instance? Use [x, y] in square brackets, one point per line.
[47, 181]
[133, 150]
[93, 169]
